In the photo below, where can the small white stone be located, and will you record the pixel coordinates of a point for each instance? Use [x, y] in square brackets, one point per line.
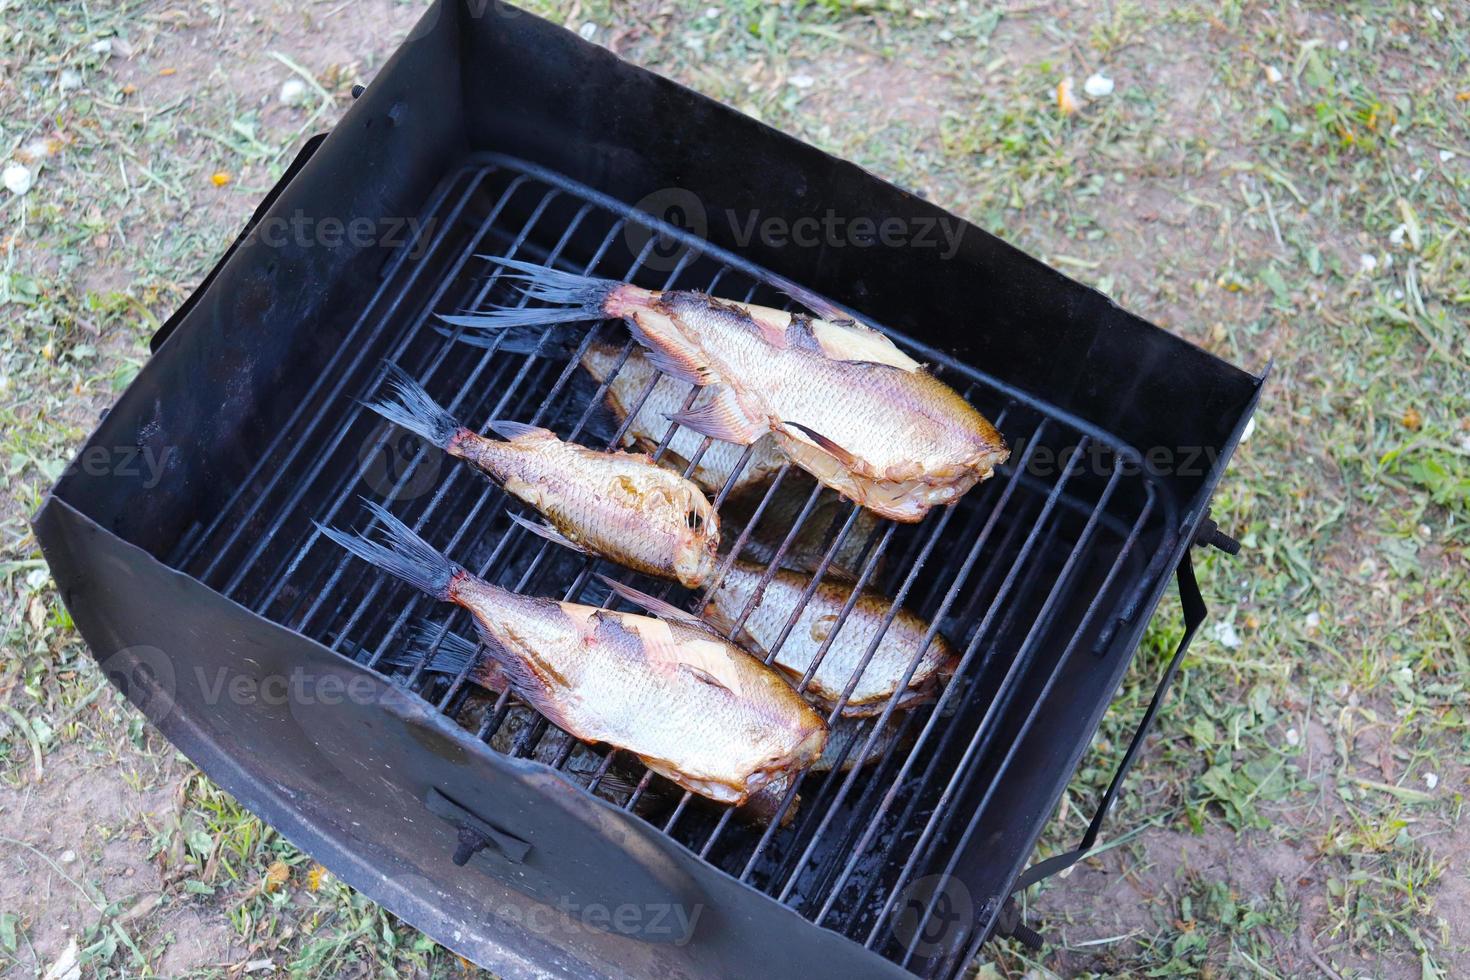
[68, 857]
[1293, 737]
[1398, 293]
[18, 178]
[1098, 86]
[1273, 75]
[1431, 780]
[70, 80]
[1417, 175]
[712, 13]
[103, 47]
[1342, 45]
[1224, 634]
[1314, 620]
[946, 35]
[1436, 13]
[588, 31]
[293, 92]
[1445, 156]
[803, 81]
[1396, 237]
[1367, 262]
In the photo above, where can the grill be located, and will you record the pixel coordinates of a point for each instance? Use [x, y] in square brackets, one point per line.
[454, 806]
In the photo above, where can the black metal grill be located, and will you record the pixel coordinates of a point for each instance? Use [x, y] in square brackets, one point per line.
[1016, 574]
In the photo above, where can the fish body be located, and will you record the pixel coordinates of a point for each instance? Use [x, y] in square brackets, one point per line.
[879, 680]
[691, 705]
[618, 505]
[838, 397]
[651, 423]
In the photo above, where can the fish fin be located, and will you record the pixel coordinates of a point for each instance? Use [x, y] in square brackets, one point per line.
[713, 789]
[666, 346]
[413, 408]
[513, 431]
[651, 604]
[447, 653]
[527, 673]
[826, 445]
[705, 677]
[819, 305]
[406, 555]
[720, 418]
[549, 533]
[621, 785]
[681, 366]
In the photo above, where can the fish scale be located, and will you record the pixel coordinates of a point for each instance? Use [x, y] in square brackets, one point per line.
[879, 679]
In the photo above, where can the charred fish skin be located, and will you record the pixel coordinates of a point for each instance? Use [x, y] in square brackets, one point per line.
[879, 679]
[617, 505]
[838, 396]
[689, 704]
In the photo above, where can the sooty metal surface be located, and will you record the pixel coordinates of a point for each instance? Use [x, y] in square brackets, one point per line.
[1030, 572]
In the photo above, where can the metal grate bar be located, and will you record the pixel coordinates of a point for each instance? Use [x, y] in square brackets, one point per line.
[345, 487]
[190, 551]
[985, 732]
[1031, 717]
[324, 414]
[990, 566]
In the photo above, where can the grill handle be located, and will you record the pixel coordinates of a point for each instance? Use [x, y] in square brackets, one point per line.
[1194, 615]
[475, 834]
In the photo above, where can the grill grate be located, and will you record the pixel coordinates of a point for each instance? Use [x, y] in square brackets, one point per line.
[1014, 574]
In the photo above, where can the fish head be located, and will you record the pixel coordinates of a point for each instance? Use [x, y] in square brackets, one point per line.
[696, 552]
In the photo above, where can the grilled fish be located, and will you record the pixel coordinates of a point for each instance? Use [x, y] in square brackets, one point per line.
[895, 652]
[807, 549]
[837, 396]
[450, 654]
[651, 424]
[691, 705]
[614, 504]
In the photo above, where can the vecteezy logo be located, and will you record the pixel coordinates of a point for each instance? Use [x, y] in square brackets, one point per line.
[930, 912]
[674, 206]
[398, 465]
[146, 676]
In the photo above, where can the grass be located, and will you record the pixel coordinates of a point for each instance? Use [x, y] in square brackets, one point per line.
[1286, 181]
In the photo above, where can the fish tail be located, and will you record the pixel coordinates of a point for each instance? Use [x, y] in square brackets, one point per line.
[570, 297]
[406, 555]
[415, 410]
